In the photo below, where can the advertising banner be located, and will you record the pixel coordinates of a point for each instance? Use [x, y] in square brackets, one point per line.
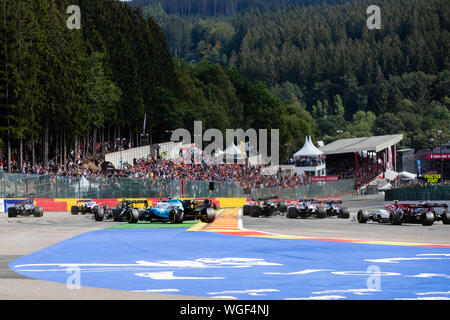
[324, 178]
[433, 156]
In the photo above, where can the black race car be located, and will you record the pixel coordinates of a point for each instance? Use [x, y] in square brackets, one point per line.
[335, 208]
[396, 214]
[123, 212]
[264, 207]
[25, 208]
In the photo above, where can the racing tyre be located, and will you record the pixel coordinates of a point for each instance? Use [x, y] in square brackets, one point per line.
[132, 215]
[12, 212]
[345, 213]
[268, 211]
[395, 218]
[210, 216]
[115, 215]
[98, 214]
[292, 213]
[246, 210]
[362, 216]
[321, 212]
[74, 210]
[176, 216]
[428, 219]
[445, 216]
[38, 212]
[254, 211]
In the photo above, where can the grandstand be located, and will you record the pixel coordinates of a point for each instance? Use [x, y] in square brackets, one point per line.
[361, 158]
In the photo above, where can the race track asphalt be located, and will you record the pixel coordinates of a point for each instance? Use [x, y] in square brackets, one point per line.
[21, 237]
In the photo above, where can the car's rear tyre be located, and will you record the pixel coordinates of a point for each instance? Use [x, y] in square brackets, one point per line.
[12, 212]
[98, 214]
[428, 219]
[246, 210]
[292, 213]
[132, 215]
[362, 216]
[345, 213]
[209, 217]
[38, 212]
[395, 218]
[176, 216]
[445, 216]
[254, 211]
[115, 215]
[268, 211]
[74, 210]
[321, 212]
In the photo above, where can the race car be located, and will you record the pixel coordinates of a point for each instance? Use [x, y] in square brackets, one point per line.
[335, 208]
[122, 212]
[25, 208]
[304, 208]
[443, 215]
[174, 211]
[264, 207]
[85, 206]
[396, 214]
[202, 210]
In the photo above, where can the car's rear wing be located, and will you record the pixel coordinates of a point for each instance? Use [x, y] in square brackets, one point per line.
[128, 202]
[428, 205]
[333, 201]
[268, 198]
[308, 200]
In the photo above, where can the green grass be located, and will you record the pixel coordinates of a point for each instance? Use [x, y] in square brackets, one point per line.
[154, 225]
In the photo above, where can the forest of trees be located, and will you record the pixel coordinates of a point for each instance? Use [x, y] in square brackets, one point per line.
[209, 8]
[61, 89]
[323, 59]
[303, 67]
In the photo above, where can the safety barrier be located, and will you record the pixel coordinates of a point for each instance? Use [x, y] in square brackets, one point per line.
[419, 193]
[60, 187]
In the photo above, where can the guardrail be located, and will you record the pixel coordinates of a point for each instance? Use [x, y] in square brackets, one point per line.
[48, 186]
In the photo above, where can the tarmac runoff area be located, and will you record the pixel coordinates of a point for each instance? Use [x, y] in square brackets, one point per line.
[22, 236]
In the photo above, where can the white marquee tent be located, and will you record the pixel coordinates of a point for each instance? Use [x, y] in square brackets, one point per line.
[308, 150]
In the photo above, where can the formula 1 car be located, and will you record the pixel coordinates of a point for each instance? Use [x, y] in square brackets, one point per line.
[199, 210]
[311, 207]
[25, 208]
[443, 215]
[123, 212]
[303, 208]
[334, 208]
[85, 206]
[174, 211]
[264, 207]
[396, 214]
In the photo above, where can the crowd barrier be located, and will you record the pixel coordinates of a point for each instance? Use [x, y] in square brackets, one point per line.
[419, 193]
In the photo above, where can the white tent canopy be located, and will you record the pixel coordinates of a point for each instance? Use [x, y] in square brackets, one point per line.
[232, 149]
[405, 175]
[308, 150]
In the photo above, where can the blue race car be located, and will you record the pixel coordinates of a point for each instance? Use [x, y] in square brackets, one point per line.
[174, 211]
